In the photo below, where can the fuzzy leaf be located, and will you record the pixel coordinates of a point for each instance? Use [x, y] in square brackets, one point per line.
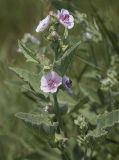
[49, 154]
[63, 97]
[104, 123]
[29, 55]
[40, 123]
[90, 92]
[79, 104]
[63, 63]
[31, 78]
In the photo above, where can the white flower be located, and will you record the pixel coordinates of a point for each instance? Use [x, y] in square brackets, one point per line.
[43, 24]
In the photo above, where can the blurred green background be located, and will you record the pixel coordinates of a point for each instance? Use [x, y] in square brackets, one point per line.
[16, 18]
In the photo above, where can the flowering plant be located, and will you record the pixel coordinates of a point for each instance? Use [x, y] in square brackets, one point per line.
[61, 122]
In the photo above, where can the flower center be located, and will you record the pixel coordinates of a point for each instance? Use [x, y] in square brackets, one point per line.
[51, 83]
[65, 17]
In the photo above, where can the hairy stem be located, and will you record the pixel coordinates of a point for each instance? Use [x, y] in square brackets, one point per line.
[57, 111]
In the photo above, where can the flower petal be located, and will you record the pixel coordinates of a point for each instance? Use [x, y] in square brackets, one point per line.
[43, 24]
[64, 11]
[65, 18]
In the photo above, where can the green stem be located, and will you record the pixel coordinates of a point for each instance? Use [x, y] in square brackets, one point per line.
[56, 106]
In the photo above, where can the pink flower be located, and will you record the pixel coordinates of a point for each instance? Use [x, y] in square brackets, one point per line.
[43, 24]
[65, 18]
[50, 82]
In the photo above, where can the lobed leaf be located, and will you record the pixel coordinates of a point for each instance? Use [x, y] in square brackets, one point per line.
[104, 123]
[28, 54]
[40, 123]
[31, 78]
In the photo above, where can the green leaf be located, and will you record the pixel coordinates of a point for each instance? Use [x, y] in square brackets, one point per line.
[105, 31]
[63, 97]
[79, 104]
[41, 154]
[90, 92]
[31, 78]
[39, 123]
[33, 156]
[104, 123]
[88, 114]
[63, 63]
[29, 55]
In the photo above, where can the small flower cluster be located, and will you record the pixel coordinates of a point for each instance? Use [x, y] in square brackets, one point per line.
[63, 16]
[110, 81]
[51, 81]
